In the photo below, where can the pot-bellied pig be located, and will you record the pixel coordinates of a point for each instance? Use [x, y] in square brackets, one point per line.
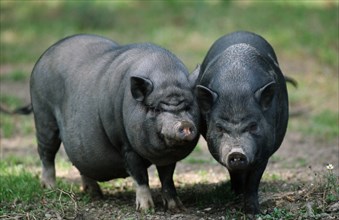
[243, 99]
[117, 110]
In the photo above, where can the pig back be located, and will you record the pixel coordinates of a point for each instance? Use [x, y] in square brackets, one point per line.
[239, 37]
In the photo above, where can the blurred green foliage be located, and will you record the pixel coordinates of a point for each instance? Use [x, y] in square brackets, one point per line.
[16, 76]
[304, 35]
[188, 28]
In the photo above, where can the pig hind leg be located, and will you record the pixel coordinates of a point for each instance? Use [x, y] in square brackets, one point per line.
[49, 141]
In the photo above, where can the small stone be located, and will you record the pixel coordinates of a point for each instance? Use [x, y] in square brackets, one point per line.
[309, 209]
[334, 207]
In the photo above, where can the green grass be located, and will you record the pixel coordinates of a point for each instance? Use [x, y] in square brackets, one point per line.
[323, 125]
[13, 126]
[17, 184]
[278, 214]
[21, 194]
[14, 76]
[10, 101]
[177, 26]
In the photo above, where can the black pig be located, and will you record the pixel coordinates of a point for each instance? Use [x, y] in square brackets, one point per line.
[117, 110]
[243, 98]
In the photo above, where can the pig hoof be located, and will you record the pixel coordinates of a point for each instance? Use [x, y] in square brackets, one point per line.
[251, 210]
[48, 184]
[91, 187]
[173, 204]
[93, 193]
[48, 177]
[144, 201]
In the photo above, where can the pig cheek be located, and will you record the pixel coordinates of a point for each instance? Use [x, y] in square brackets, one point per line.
[150, 133]
[218, 146]
[250, 147]
[164, 126]
[224, 150]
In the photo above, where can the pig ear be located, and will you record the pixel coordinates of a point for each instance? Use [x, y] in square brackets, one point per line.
[193, 77]
[265, 95]
[206, 98]
[140, 87]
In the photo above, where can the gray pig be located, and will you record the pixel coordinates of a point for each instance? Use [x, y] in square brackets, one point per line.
[243, 98]
[117, 110]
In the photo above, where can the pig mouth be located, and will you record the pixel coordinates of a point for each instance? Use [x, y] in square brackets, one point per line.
[236, 160]
[170, 152]
[173, 143]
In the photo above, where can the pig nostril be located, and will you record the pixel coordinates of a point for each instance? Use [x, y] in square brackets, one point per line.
[185, 130]
[237, 161]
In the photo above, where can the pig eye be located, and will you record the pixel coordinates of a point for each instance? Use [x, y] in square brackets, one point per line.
[219, 128]
[252, 127]
[154, 110]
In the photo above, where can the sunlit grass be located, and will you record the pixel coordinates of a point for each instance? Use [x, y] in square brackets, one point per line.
[17, 183]
[323, 125]
[14, 76]
[13, 125]
[173, 26]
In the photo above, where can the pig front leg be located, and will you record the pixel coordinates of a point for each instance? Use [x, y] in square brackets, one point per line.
[238, 180]
[91, 186]
[137, 168]
[169, 194]
[251, 203]
[247, 183]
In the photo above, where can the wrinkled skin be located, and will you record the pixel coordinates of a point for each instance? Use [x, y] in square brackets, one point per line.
[117, 110]
[243, 98]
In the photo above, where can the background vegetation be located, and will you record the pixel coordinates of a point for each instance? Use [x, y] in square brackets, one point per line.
[304, 35]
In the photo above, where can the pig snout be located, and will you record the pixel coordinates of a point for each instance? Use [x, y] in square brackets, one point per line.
[186, 131]
[179, 133]
[237, 160]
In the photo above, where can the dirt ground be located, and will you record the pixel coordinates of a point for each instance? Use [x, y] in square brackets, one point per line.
[297, 163]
